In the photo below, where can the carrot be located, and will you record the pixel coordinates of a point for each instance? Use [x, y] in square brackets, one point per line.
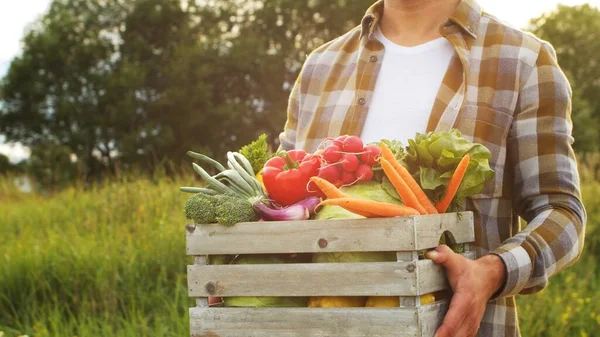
[454, 184]
[358, 211]
[387, 154]
[376, 208]
[328, 188]
[332, 192]
[417, 190]
[405, 193]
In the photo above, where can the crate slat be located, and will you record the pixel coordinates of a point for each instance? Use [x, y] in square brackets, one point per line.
[405, 278]
[201, 302]
[409, 301]
[386, 234]
[431, 317]
[316, 322]
[310, 279]
[431, 227]
[302, 322]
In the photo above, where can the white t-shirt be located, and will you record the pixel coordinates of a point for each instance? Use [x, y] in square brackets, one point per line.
[406, 88]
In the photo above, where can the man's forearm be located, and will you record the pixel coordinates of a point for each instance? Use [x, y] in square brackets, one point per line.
[535, 250]
[495, 272]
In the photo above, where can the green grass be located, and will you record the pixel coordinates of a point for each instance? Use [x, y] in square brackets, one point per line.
[110, 262]
[105, 262]
[570, 305]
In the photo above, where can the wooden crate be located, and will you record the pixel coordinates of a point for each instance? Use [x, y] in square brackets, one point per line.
[407, 278]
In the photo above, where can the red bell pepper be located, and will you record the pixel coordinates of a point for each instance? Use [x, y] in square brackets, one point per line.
[287, 175]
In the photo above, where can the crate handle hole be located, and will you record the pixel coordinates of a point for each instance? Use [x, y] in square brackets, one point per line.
[447, 238]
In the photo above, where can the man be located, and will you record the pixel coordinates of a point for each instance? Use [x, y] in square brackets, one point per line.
[424, 65]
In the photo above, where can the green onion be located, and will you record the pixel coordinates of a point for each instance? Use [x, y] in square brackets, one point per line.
[233, 164]
[212, 182]
[207, 160]
[207, 191]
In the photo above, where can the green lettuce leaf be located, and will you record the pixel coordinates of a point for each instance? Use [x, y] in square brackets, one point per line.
[433, 157]
[430, 178]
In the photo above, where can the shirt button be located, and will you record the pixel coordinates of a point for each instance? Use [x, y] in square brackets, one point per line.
[373, 58]
[361, 101]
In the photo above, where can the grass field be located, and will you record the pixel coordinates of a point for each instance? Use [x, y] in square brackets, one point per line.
[110, 262]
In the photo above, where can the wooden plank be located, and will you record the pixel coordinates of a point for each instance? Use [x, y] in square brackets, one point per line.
[310, 279]
[403, 278]
[431, 317]
[431, 227]
[201, 302]
[303, 322]
[411, 258]
[352, 235]
[467, 247]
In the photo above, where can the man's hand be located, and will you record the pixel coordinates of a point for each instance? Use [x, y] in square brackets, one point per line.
[473, 283]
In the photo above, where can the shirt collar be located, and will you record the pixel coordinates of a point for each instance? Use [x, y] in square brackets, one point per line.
[371, 19]
[467, 16]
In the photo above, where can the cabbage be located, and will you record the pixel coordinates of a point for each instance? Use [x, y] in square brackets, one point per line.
[433, 157]
[266, 302]
[354, 257]
[369, 190]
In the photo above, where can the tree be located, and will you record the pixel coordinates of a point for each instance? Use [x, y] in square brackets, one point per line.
[5, 165]
[141, 81]
[219, 83]
[51, 167]
[55, 94]
[575, 34]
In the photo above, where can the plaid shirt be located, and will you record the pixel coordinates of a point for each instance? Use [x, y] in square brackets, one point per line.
[503, 89]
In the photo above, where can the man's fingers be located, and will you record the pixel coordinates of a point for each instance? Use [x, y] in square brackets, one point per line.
[457, 312]
[445, 256]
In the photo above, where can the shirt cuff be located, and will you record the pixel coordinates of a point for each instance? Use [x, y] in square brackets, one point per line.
[519, 269]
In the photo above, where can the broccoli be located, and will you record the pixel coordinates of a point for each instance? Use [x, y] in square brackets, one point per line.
[201, 208]
[225, 209]
[231, 209]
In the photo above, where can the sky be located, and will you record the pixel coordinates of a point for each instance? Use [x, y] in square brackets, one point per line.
[16, 15]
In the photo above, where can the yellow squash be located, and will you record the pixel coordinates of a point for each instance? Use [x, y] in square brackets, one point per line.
[383, 302]
[337, 302]
[259, 177]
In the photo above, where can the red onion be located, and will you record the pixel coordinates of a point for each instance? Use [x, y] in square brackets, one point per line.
[302, 210]
[293, 212]
[310, 204]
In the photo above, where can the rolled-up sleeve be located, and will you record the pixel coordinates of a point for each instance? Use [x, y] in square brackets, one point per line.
[546, 186]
